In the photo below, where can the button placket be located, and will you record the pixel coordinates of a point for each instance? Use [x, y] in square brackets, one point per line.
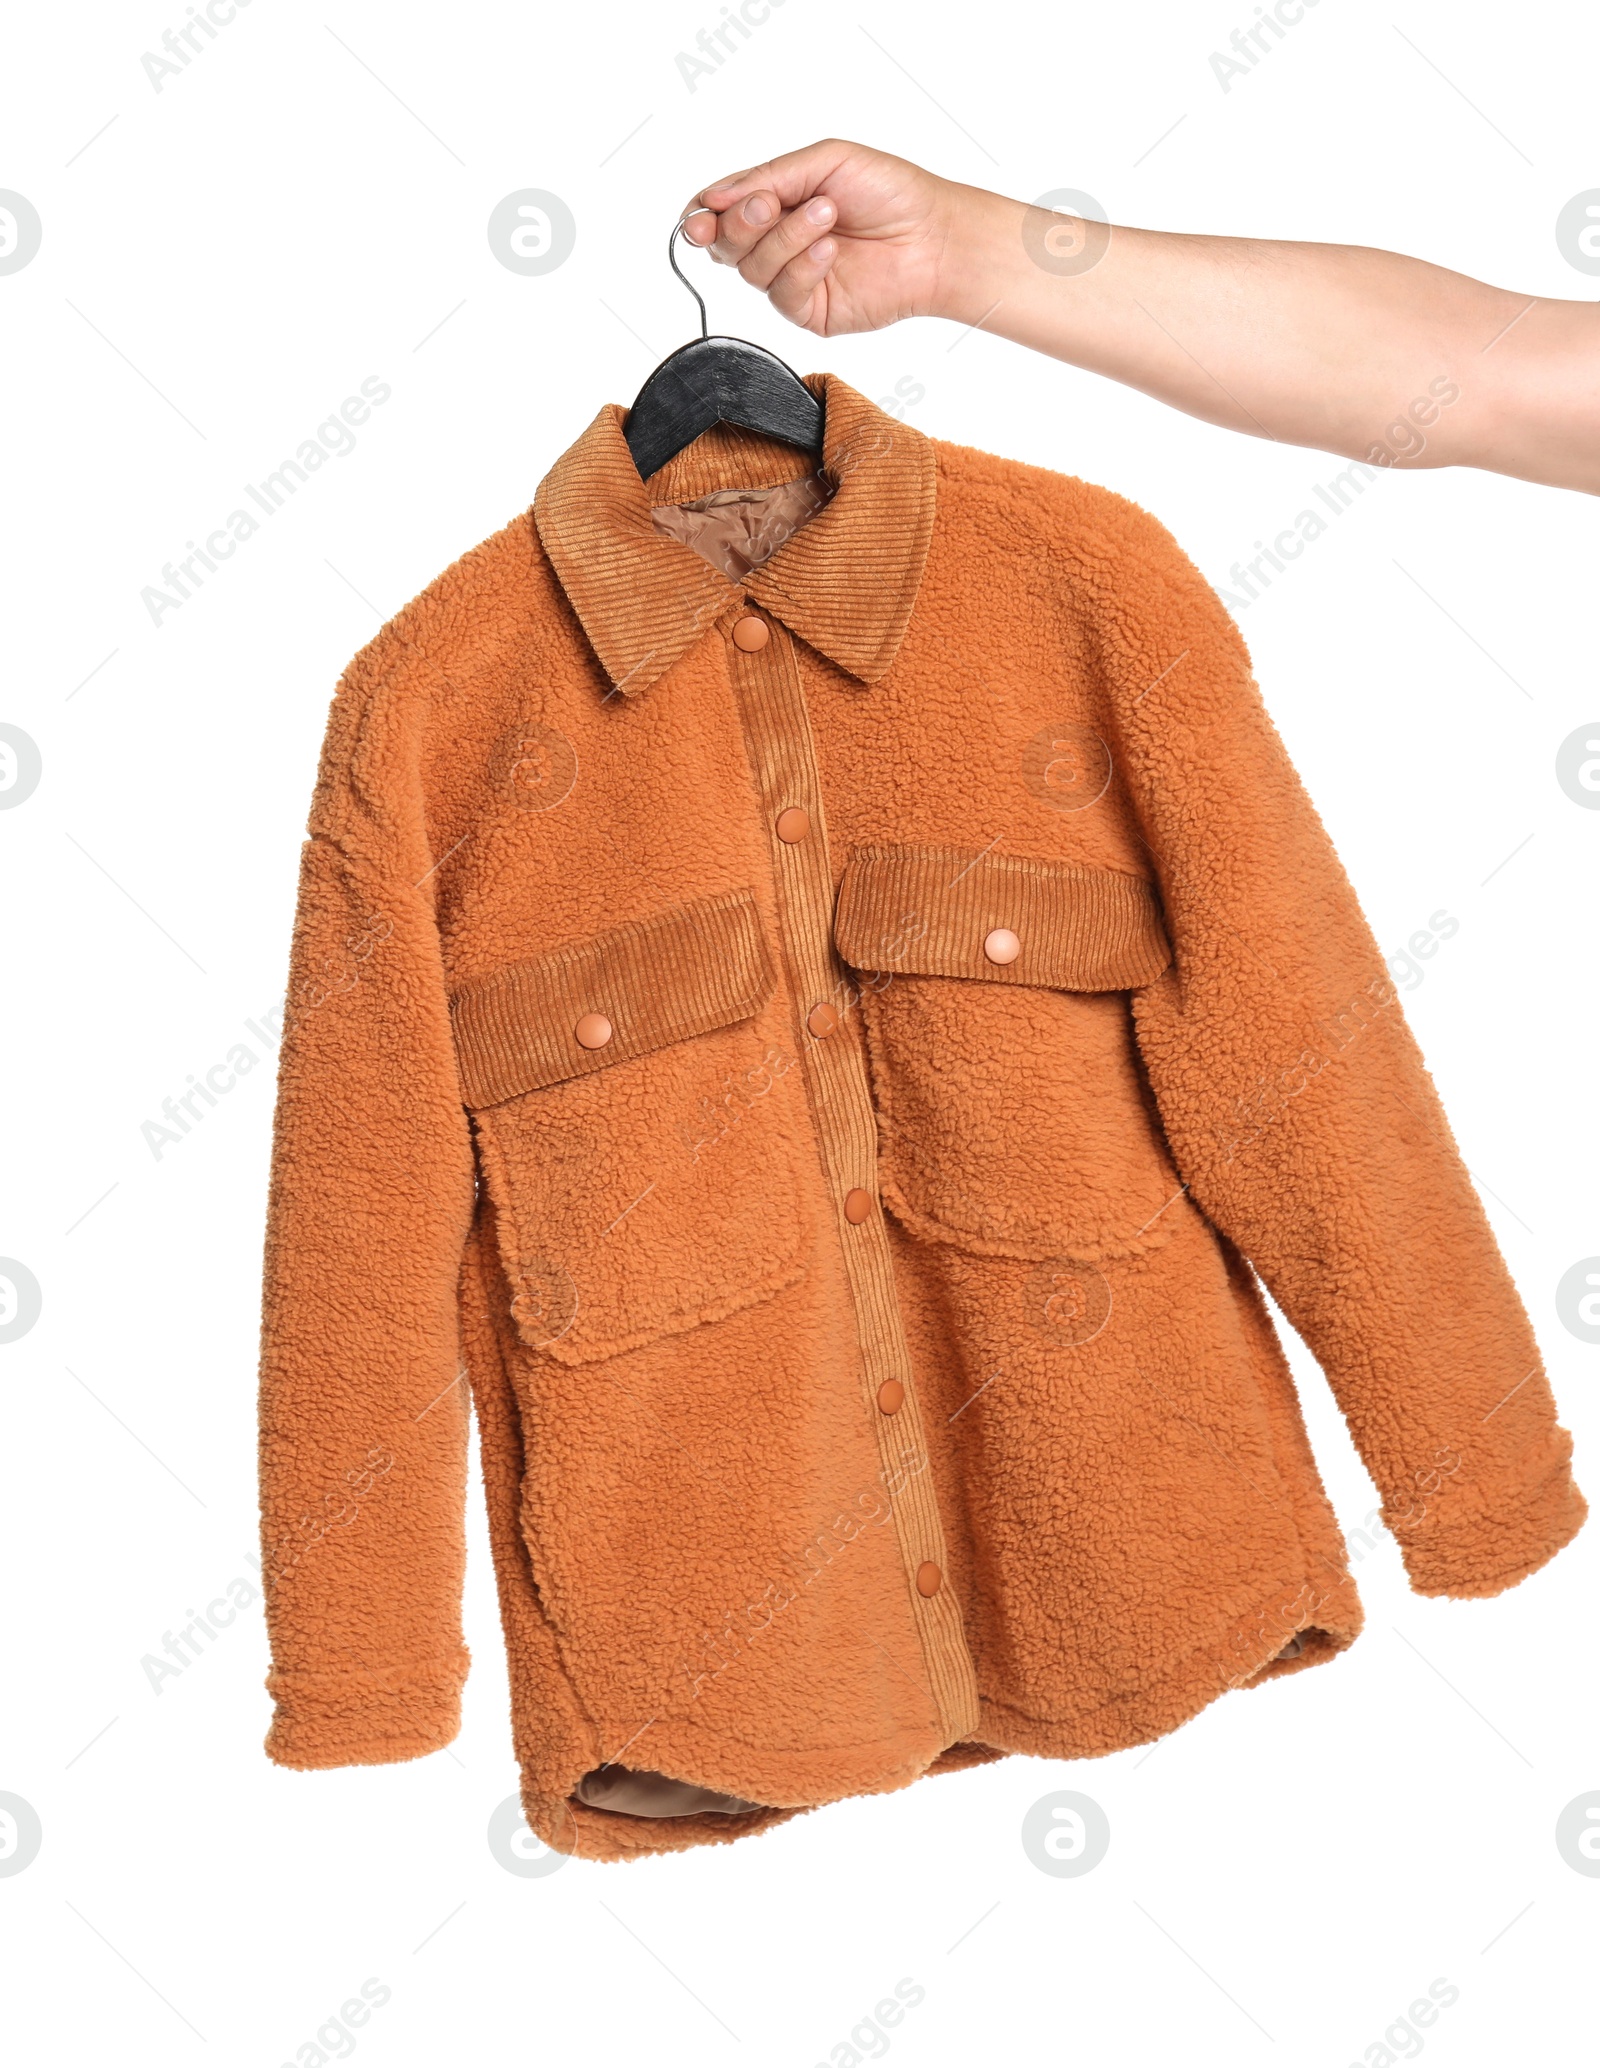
[782, 756]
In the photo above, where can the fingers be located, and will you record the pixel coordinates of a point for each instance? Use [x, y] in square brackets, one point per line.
[793, 178]
[733, 234]
[794, 292]
[763, 260]
[774, 225]
[732, 214]
[788, 262]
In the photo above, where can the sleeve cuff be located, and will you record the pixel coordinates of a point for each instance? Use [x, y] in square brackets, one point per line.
[1470, 1552]
[365, 1718]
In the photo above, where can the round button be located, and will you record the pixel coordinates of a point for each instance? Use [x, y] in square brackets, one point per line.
[929, 1578]
[594, 1030]
[793, 824]
[857, 1205]
[1001, 945]
[891, 1397]
[750, 634]
[821, 1020]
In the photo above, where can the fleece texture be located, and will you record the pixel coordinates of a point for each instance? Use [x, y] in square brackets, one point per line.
[822, 1056]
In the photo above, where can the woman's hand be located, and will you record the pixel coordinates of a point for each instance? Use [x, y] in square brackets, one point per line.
[840, 238]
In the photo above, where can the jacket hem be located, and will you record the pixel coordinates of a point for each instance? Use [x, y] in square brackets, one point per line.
[1247, 1650]
[1486, 1551]
[377, 1719]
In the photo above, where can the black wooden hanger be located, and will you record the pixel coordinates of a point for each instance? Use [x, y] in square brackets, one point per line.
[717, 380]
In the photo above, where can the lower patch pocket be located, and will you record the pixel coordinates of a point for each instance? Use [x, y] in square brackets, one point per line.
[638, 1119]
[1013, 1112]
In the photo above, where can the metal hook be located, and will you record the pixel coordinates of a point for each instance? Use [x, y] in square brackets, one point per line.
[677, 232]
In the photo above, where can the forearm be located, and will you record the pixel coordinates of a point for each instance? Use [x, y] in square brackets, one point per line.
[1352, 350]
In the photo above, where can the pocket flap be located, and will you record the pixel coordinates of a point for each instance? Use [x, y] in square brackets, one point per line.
[682, 971]
[928, 911]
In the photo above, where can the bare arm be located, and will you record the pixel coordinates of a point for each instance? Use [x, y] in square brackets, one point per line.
[1356, 351]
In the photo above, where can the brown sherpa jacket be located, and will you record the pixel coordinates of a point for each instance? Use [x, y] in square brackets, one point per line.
[826, 1049]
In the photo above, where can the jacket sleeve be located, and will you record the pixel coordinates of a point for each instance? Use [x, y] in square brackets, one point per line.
[1298, 1107]
[363, 1424]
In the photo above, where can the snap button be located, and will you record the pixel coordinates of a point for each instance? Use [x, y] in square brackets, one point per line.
[929, 1578]
[891, 1397]
[594, 1030]
[1001, 945]
[750, 634]
[793, 824]
[821, 1020]
[857, 1205]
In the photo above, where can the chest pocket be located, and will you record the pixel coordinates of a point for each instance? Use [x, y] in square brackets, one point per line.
[636, 1114]
[1013, 1112]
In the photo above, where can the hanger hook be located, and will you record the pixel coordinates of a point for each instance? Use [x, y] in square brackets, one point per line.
[672, 261]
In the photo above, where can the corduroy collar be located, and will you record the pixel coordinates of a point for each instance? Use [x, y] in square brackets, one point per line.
[845, 582]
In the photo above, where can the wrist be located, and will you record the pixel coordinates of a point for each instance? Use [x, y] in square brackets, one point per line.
[980, 233]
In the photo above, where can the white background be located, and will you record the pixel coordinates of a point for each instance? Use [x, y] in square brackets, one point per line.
[306, 206]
